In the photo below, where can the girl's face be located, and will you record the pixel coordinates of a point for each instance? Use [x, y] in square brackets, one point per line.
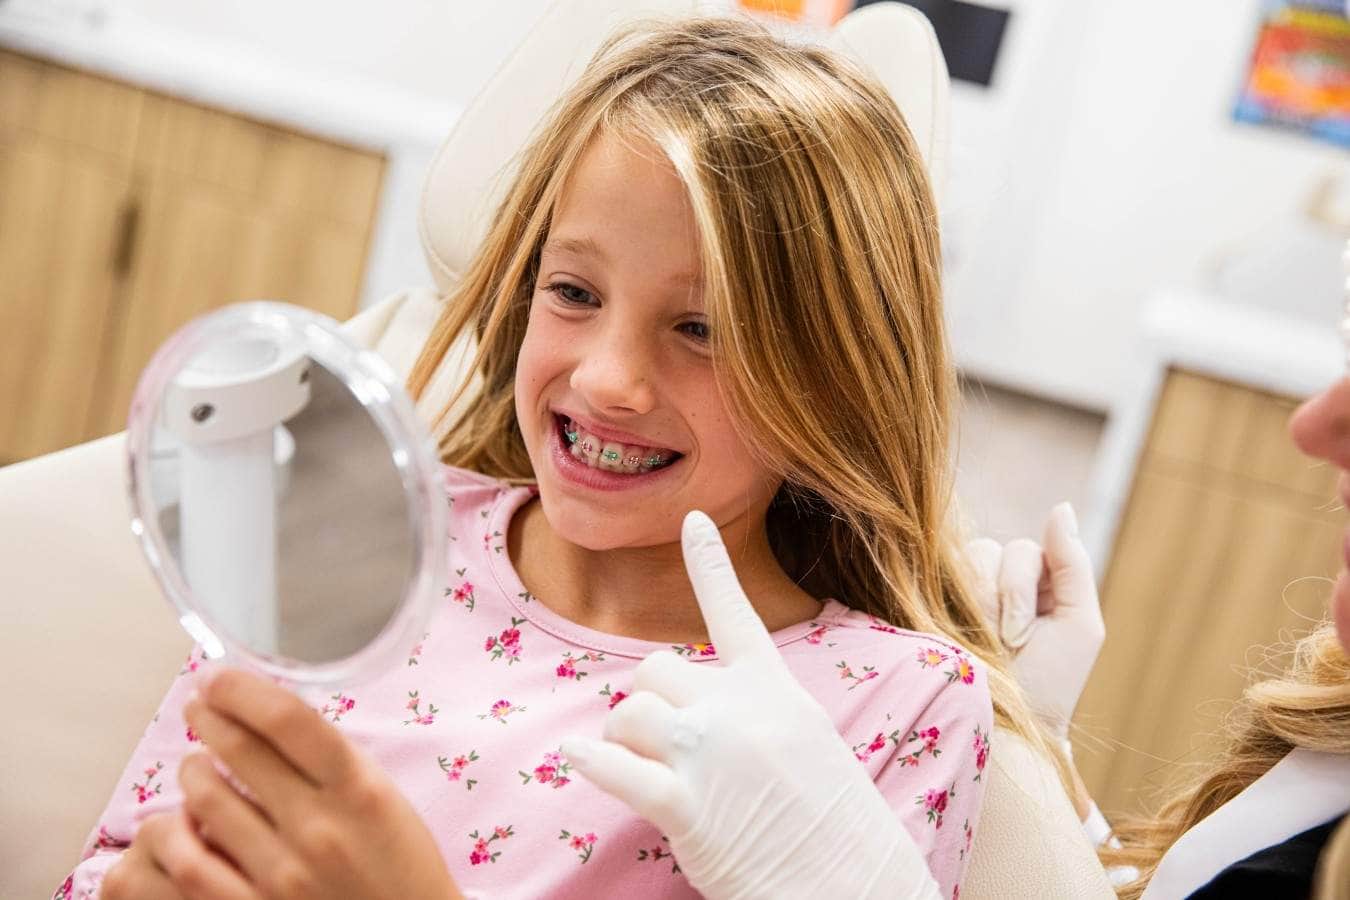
[616, 355]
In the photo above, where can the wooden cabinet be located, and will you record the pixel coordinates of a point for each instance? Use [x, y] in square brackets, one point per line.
[1228, 543]
[124, 213]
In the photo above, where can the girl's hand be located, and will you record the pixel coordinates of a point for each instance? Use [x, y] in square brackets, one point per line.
[742, 769]
[169, 861]
[316, 816]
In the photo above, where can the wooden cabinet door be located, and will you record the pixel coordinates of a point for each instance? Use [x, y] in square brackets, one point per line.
[234, 210]
[66, 142]
[1227, 546]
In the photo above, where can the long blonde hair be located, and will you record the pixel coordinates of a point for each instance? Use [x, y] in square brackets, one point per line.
[821, 263]
[1307, 706]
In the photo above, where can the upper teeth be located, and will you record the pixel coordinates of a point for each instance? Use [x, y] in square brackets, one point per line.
[612, 455]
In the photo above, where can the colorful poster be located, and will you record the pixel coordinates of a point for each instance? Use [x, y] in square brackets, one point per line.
[1299, 76]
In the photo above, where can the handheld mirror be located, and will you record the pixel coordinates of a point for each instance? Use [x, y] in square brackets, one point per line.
[285, 494]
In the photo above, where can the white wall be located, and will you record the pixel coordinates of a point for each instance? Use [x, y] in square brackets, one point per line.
[445, 49]
[1108, 165]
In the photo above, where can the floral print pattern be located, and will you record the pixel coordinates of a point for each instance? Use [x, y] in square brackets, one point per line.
[658, 853]
[694, 649]
[582, 843]
[981, 746]
[568, 667]
[464, 593]
[500, 710]
[418, 716]
[507, 643]
[553, 771]
[338, 706]
[846, 671]
[152, 785]
[482, 849]
[454, 768]
[615, 697]
[934, 802]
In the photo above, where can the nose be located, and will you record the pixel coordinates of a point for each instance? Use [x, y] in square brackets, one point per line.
[1321, 426]
[613, 371]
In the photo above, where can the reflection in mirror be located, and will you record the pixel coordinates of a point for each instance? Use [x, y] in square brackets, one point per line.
[280, 507]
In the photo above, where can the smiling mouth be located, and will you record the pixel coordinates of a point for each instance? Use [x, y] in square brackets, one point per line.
[612, 456]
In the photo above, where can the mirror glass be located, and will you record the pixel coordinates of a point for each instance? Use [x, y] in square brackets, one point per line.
[285, 494]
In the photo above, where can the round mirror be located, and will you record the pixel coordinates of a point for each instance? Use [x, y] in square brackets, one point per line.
[285, 494]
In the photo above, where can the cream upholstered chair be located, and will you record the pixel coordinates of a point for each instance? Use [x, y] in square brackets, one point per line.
[90, 645]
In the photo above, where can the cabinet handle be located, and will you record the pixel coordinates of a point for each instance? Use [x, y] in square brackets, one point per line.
[126, 239]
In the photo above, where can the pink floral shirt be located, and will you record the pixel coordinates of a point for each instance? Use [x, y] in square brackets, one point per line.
[469, 727]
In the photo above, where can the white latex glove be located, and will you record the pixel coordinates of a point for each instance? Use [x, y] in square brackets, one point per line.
[1043, 603]
[742, 769]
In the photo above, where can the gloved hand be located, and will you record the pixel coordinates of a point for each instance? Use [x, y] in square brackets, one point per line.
[1043, 603]
[742, 769]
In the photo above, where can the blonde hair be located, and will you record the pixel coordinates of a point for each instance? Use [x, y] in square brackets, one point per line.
[1306, 706]
[821, 265]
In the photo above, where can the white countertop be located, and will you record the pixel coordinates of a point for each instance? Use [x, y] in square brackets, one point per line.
[1237, 342]
[406, 128]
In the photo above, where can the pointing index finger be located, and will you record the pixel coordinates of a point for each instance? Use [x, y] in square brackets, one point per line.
[735, 628]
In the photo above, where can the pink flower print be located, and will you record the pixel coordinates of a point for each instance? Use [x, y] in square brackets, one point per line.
[338, 705]
[969, 834]
[505, 644]
[417, 650]
[615, 697]
[868, 748]
[152, 785]
[981, 746]
[463, 593]
[192, 735]
[694, 649]
[553, 770]
[845, 671]
[63, 892]
[454, 769]
[815, 637]
[568, 667]
[934, 803]
[193, 662]
[927, 739]
[658, 853]
[489, 538]
[419, 717]
[500, 710]
[482, 850]
[931, 657]
[961, 670]
[104, 839]
[582, 843]
[879, 625]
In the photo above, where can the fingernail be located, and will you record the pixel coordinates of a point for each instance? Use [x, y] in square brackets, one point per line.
[1068, 521]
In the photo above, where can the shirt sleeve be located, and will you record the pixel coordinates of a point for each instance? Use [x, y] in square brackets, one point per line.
[148, 785]
[934, 777]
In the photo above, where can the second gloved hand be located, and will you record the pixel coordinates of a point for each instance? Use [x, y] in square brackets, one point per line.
[742, 769]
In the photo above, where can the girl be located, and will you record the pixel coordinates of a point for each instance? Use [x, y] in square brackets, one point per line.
[714, 285]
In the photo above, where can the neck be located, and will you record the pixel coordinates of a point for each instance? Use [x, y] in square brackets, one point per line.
[644, 592]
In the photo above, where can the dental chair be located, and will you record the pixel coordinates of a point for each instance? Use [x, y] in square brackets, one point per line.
[89, 645]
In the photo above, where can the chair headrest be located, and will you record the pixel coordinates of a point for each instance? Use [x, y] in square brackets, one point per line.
[474, 167]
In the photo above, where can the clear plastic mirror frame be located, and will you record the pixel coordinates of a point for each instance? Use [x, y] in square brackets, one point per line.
[413, 453]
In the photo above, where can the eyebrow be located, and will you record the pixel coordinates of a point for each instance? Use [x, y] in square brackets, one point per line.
[588, 247]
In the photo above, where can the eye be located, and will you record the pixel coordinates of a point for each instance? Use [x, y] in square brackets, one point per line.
[697, 330]
[569, 293]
